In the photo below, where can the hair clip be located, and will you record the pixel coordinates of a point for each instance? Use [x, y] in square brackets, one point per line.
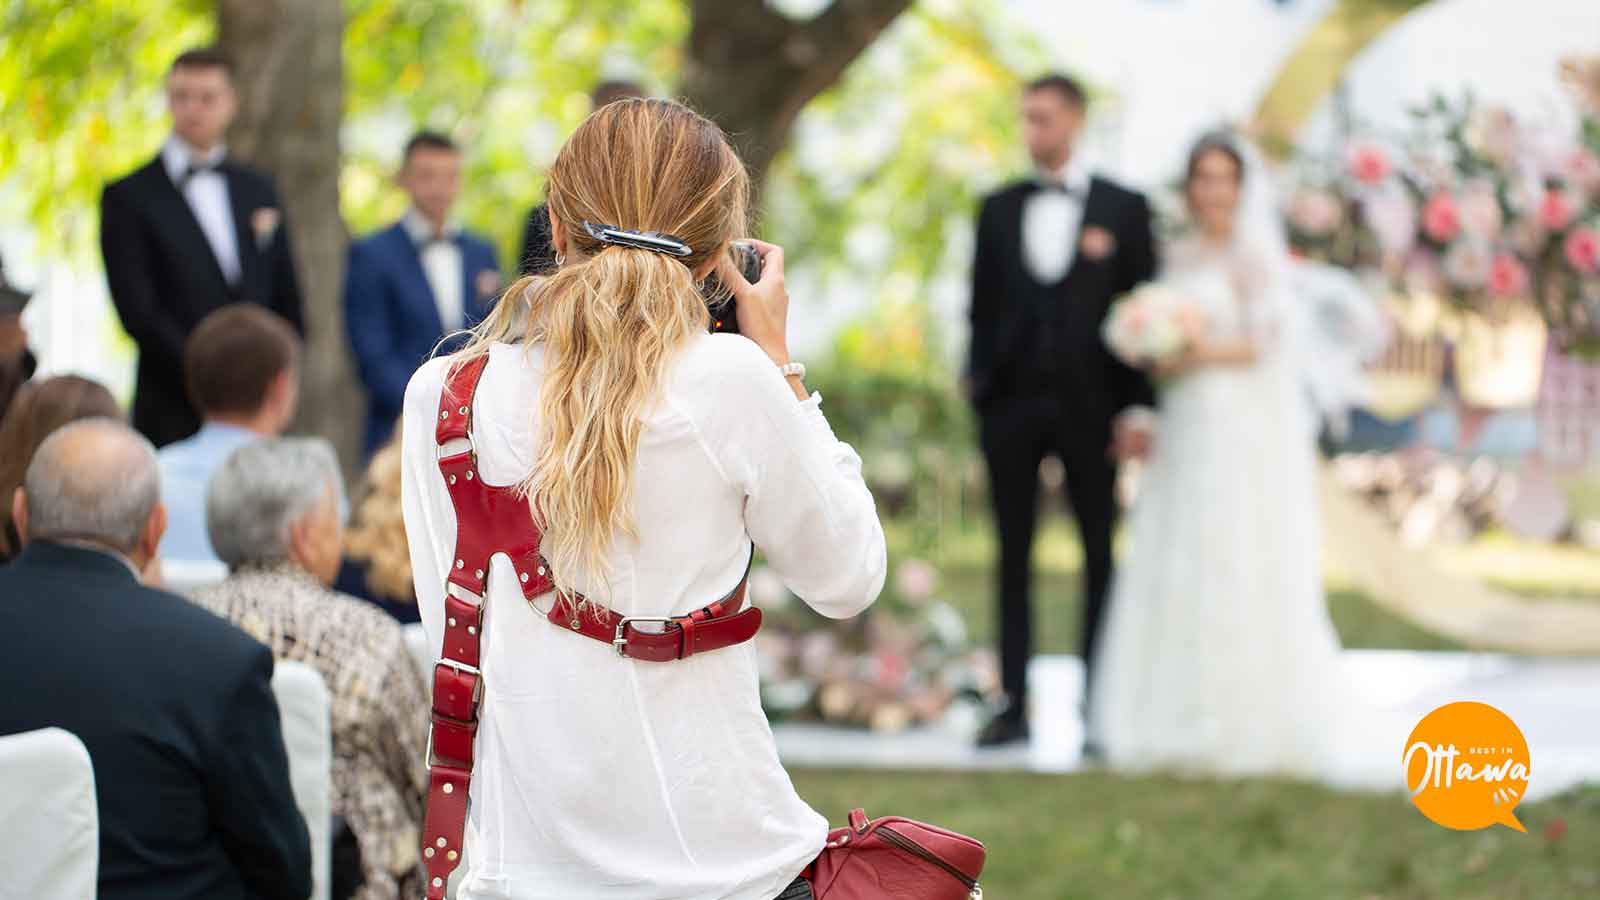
[643, 240]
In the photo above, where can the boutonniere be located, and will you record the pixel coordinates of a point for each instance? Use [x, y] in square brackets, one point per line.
[1097, 243]
[264, 222]
[488, 283]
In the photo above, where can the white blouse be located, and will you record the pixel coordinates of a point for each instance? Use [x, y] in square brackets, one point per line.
[604, 778]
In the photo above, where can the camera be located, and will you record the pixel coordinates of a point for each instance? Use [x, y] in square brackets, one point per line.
[719, 298]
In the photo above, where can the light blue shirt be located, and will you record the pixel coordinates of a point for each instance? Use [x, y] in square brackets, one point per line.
[186, 468]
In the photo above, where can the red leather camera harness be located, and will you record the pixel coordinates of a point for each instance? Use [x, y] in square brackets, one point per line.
[491, 519]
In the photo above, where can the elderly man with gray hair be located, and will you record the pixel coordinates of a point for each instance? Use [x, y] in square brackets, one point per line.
[272, 511]
[175, 706]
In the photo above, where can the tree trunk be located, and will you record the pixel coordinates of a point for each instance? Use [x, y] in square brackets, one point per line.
[288, 57]
[753, 70]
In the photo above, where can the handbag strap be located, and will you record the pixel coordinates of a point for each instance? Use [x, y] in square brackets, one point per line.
[493, 520]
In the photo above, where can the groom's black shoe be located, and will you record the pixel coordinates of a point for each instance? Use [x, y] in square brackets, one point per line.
[1005, 728]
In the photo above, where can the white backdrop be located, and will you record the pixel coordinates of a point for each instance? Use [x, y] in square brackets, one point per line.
[1174, 68]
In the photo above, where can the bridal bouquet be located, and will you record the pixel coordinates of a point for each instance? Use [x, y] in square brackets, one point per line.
[1152, 325]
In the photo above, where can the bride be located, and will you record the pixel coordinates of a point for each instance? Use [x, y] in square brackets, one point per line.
[1217, 654]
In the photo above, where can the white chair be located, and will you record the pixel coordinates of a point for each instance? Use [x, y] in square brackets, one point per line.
[183, 576]
[49, 816]
[303, 706]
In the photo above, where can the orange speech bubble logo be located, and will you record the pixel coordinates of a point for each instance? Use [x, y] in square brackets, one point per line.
[1467, 767]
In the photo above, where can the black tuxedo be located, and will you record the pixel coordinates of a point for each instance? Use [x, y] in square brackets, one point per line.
[176, 708]
[1043, 382]
[165, 278]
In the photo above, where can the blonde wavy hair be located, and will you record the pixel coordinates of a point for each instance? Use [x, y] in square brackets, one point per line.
[612, 318]
[378, 535]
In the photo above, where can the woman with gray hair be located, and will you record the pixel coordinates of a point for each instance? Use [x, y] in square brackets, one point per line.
[273, 513]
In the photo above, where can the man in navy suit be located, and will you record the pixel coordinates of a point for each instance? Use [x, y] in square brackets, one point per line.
[412, 284]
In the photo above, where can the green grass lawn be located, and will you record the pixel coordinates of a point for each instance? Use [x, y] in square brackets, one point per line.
[1099, 835]
[1095, 835]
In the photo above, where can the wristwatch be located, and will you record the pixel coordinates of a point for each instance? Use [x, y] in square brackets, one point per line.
[793, 368]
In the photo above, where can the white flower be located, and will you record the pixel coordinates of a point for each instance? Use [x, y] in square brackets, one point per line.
[1467, 264]
[1150, 325]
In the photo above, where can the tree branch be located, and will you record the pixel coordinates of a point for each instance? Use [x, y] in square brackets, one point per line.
[753, 70]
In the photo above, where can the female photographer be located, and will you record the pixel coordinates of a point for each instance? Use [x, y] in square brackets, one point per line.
[653, 455]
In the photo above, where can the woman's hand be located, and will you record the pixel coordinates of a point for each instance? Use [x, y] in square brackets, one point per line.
[762, 308]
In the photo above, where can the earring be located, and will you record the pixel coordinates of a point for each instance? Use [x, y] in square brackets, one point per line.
[561, 258]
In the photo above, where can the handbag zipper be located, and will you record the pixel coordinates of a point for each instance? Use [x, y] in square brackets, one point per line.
[916, 849]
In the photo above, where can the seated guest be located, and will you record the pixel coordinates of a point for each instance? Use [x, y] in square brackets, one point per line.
[39, 409]
[174, 705]
[410, 285]
[16, 360]
[273, 512]
[377, 561]
[538, 256]
[242, 368]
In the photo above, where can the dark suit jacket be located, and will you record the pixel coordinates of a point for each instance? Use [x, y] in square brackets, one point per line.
[538, 253]
[1005, 311]
[164, 279]
[176, 708]
[393, 320]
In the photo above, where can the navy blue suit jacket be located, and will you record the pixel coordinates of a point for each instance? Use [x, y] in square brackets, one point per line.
[393, 320]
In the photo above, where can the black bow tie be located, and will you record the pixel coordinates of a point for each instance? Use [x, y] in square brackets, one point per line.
[1057, 187]
[196, 169]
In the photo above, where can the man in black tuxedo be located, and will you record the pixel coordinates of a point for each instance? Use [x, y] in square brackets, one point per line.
[174, 705]
[538, 254]
[189, 232]
[1053, 251]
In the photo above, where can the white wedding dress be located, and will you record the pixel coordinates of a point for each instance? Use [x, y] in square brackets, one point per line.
[1216, 653]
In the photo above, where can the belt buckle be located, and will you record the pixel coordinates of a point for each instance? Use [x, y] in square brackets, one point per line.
[619, 641]
[460, 667]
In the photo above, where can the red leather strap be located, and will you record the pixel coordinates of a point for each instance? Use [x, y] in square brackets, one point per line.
[712, 627]
[492, 520]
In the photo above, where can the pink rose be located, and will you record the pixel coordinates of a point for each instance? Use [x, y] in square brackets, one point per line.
[1369, 164]
[1441, 218]
[1315, 212]
[1557, 210]
[1508, 277]
[1138, 317]
[1582, 168]
[1583, 250]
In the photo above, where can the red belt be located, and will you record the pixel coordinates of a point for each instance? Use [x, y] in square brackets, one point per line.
[492, 520]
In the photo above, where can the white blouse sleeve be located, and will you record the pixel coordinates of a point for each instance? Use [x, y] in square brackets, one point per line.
[429, 518]
[806, 504]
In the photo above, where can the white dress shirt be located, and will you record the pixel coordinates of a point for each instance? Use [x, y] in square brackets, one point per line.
[441, 262]
[207, 194]
[605, 778]
[1051, 219]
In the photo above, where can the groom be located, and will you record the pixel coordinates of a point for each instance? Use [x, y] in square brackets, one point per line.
[1052, 253]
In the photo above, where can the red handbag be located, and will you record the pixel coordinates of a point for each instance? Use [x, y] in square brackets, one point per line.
[895, 858]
